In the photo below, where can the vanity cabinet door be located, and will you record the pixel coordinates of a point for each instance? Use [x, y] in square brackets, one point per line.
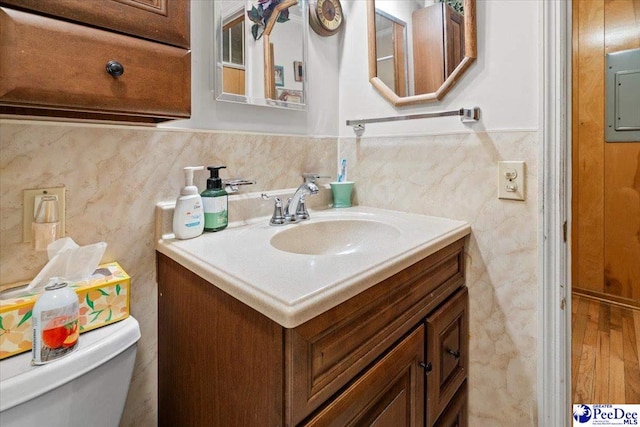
[456, 413]
[165, 21]
[389, 394]
[447, 351]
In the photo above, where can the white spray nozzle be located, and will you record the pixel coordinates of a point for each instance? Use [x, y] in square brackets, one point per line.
[189, 188]
[188, 174]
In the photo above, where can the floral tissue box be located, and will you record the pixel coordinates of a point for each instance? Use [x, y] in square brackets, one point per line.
[103, 298]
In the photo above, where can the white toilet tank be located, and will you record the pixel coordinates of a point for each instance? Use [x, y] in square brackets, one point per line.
[86, 388]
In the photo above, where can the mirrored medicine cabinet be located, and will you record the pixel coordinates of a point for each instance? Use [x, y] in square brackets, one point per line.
[418, 49]
[264, 65]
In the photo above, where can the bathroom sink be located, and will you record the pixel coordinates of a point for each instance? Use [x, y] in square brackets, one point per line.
[295, 272]
[334, 237]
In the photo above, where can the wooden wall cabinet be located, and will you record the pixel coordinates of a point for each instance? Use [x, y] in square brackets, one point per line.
[123, 60]
[393, 355]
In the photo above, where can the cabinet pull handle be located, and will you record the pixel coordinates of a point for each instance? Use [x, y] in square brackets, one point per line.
[427, 367]
[115, 68]
[454, 353]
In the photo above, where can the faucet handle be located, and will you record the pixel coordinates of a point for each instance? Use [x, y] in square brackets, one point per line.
[278, 216]
[311, 177]
[301, 209]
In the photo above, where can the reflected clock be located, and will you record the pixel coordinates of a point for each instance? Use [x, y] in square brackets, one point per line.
[325, 16]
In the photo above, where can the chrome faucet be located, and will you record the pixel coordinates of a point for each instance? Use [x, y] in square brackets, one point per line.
[296, 208]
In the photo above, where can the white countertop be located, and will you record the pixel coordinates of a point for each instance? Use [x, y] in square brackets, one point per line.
[292, 288]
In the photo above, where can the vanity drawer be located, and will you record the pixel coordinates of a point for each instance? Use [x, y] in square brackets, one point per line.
[327, 352]
[447, 351]
[51, 64]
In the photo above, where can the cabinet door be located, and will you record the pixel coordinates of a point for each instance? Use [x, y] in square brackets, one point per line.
[165, 21]
[456, 413]
[453, 40]
[389, 394]
[447, 351]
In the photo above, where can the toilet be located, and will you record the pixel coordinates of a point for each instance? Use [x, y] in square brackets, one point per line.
[85, 388]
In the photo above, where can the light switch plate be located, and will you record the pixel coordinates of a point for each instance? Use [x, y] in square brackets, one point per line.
[511, 180]
[28, 209]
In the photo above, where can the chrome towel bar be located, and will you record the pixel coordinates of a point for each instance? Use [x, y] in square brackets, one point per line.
[466, 115]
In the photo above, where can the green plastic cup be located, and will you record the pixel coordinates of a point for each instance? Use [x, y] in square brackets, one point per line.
[341, 193]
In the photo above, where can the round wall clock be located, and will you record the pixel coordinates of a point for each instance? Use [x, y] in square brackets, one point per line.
[325, 16]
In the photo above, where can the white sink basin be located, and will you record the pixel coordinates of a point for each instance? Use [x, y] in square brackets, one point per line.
[336, 237]
[298, 271]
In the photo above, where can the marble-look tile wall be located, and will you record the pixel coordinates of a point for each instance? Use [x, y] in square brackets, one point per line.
[114, 176]
[455, 176]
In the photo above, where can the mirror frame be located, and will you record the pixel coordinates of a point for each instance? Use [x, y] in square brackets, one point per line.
[215, 72]
[470, 55]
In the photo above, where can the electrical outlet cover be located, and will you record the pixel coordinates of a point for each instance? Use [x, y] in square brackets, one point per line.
[511, 180]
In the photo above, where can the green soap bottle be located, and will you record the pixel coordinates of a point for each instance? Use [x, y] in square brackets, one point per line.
[215, 202]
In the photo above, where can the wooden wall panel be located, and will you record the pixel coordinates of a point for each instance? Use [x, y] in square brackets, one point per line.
[622, 173]
[588, 156]
[606, 176]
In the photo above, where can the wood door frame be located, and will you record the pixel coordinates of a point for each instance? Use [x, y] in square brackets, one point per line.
[554, 314]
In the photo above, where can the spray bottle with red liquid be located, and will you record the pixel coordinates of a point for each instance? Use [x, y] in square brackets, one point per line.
[55, 323]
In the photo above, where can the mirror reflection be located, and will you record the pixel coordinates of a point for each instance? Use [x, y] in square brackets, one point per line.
[419, 48]
[391, 52]
[261, 63]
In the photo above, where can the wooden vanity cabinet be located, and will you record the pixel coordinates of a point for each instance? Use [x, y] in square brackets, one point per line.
[382, 358]
[124, 60]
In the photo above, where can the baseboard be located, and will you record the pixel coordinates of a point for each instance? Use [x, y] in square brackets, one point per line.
[608, 298]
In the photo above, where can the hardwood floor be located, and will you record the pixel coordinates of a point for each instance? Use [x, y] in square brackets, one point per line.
[605, 349]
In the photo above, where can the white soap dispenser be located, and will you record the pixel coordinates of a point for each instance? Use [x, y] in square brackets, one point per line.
[188, 216]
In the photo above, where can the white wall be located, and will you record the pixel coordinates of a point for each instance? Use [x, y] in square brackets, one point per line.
[320, 118]
[503, 81]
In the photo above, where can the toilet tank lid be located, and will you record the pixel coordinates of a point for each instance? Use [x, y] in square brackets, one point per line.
[20, 382]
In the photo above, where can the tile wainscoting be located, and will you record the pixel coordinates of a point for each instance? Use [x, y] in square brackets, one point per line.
[114, 176]
[455, 176]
